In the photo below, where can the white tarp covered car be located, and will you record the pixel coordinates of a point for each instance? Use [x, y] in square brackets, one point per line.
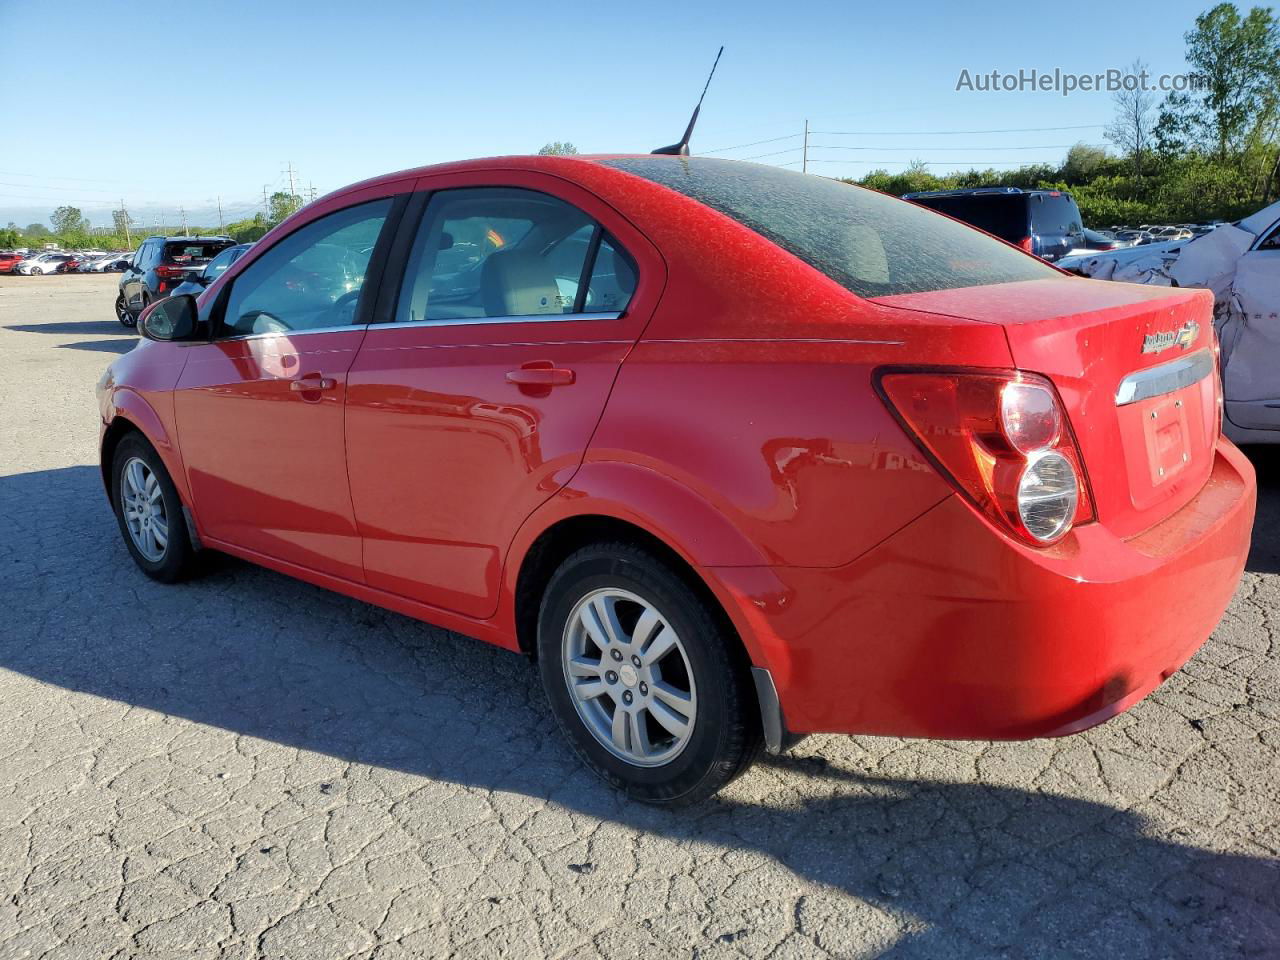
[1240, 263]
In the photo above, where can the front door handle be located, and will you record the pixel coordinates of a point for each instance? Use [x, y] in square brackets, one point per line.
[312, 384]
[541, 376]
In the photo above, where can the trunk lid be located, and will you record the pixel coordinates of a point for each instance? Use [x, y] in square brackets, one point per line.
[1135, 367]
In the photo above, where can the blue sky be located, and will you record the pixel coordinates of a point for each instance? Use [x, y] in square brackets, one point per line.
[222, 96]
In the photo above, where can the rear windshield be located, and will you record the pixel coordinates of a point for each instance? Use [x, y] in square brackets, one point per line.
[1002, 215]
[198, 252]
[1055, 215]
[869, 243]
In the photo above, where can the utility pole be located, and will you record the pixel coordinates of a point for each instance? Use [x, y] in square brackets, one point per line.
[221, 228]
[128, 239]
[266, 204]
[289, 171]
[182, 212]
[311, 194]
[804, 157]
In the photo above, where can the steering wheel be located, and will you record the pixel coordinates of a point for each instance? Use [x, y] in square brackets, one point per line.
[342, 311]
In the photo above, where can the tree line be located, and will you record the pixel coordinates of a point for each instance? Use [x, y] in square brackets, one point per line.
[71, 230]
[1212, 154]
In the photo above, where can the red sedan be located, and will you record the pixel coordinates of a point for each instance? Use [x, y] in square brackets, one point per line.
[738, 454]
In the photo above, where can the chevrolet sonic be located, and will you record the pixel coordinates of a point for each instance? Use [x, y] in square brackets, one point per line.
[737, 454]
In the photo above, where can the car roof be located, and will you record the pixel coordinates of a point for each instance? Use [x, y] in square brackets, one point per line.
[564, 164]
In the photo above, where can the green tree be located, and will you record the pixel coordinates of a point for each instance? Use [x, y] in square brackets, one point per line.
[121, 222]
[282, 205]
[8, 238]
[68, 220]
[1236, 61]
[557, 148]
[35, 231]
[1084, 162]
[246, 231]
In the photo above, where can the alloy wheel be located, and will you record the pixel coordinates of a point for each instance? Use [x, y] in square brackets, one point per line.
[142, 501]
[629, 677]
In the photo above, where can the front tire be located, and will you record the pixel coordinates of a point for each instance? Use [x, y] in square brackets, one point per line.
[149, 512]
[650, 687]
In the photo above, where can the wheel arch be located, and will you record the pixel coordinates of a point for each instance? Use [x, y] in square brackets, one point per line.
[130, 413]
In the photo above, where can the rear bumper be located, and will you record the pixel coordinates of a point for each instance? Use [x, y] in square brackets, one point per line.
[950, 629]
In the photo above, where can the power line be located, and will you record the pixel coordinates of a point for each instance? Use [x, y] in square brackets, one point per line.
[1043, 146]
[776, 153]
[942, 133]
[927, 163]
[753, 143]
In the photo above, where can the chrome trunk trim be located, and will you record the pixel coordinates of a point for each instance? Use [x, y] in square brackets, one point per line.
[1165, 378]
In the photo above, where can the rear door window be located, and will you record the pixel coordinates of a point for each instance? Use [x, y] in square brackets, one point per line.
[493, 252]
[872, 244]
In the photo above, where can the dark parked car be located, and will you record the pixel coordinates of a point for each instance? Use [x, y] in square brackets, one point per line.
[212, 271]
[1044, 222]
[161, 264]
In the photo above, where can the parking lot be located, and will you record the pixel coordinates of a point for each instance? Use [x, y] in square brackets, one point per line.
[246, 766]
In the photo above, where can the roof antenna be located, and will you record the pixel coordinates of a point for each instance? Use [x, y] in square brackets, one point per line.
[681, 149]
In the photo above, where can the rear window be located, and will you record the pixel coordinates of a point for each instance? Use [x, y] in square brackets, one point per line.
[869, 243]
[1001, 215]
[180, 252]
[1052, 215]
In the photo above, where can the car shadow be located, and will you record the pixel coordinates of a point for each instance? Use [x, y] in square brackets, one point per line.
[1264, 553]
[81, 327]
[123, 345]
[1000, 870]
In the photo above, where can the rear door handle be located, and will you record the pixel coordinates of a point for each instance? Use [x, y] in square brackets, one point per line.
[311, 384]
[541, 376]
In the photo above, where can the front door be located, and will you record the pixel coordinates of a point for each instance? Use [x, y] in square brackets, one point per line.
[1251, 338]
[477, 401]
[260, 409]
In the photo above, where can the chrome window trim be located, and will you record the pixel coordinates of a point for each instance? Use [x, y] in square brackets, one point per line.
[522, 318]
[291, 333]
[1165, 378]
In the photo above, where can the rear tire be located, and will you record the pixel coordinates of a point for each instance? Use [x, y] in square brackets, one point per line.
[149, 511]
[664, 710]
[122, 313]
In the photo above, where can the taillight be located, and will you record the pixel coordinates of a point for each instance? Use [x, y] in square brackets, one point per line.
[168, 272]
[1027, 244]
[1003, 439]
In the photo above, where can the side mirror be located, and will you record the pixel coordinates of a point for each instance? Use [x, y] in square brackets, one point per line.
[173, 318]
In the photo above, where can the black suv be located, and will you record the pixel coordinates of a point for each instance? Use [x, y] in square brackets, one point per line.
[1044, 222]
[160, 264]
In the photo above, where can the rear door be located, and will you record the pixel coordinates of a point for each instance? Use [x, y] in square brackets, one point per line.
[475, 398]
[260, 409]
[131, 284]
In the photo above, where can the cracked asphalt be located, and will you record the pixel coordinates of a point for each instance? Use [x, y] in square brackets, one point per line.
[247, 766]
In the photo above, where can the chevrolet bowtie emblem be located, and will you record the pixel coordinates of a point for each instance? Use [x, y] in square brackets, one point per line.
[1183, 337]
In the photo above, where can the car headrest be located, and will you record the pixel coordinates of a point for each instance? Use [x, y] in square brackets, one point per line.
[515, 283]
